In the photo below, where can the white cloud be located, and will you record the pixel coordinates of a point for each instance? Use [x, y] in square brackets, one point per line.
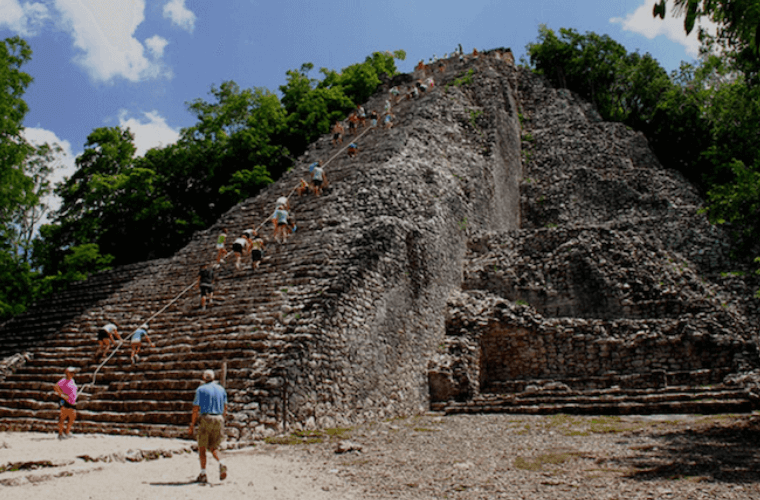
[156, 45]
[180, 15]
[63, 167]
[24, 19]
[149, 133]
[104, 31]
[642, 22]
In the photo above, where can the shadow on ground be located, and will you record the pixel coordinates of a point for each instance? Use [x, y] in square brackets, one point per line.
[723, 450]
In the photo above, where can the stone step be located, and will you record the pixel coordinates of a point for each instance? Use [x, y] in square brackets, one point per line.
[601, 408]
[677, 399]
[25, 424]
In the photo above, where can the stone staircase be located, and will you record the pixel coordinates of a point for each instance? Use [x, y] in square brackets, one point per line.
[612, 401]
[260, 324]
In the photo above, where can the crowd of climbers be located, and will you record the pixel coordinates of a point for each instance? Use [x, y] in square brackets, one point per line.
[210, 402]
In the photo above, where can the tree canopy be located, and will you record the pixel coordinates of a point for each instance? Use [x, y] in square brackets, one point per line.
[118, 208]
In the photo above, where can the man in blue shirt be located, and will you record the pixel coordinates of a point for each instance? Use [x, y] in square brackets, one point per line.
[211, 404]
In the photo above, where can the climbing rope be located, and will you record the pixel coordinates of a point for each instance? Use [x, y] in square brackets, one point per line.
[116, 347]
[323, 165]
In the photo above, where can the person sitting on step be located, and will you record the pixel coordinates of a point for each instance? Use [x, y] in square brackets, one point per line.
[352, 150]
[303, 188]
[136, 342]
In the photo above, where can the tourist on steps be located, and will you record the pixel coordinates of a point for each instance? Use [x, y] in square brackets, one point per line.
[280, 221]
[318, 178]
[136, 342]
[206, 284]
[239, 247]
[303, 188]
[106, 337]
[283, 200]
[210, 410]
[353, 150]
[373, 118]
[388, 121]
[257, 251]
[220, 243]
[352, 122]
[66, 389]
[337, 131]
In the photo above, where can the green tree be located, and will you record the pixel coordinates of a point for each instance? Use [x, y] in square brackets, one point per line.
[738, 34]
[21, 181]
[109, 201]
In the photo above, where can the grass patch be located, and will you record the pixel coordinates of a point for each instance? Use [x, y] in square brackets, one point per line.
[537, 463]
[309, 437]
[464, 79]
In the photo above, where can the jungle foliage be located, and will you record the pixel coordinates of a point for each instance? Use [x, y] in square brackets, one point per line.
[119, 208]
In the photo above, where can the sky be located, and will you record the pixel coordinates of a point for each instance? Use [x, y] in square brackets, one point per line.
[137, 63]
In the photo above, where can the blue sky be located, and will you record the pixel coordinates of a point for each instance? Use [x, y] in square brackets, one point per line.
[136, 63]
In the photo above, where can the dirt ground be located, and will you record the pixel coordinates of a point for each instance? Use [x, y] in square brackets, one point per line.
[422, 457]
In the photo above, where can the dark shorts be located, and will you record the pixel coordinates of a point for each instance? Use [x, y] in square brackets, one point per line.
[206, 290]
[102, 335]
[336, 136]
[237, 247]
[256, 255]
[62, 403]
[317, 182]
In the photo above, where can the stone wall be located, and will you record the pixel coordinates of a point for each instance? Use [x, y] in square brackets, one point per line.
[614, 278]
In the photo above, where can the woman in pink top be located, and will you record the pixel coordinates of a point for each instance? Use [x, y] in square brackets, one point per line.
[66, 389]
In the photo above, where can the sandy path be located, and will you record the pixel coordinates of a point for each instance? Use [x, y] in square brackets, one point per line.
[254, 473]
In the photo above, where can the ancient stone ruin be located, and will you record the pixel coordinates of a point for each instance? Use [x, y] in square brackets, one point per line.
[499, 249]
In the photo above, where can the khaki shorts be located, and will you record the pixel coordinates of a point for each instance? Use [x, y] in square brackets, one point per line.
[210, 432]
